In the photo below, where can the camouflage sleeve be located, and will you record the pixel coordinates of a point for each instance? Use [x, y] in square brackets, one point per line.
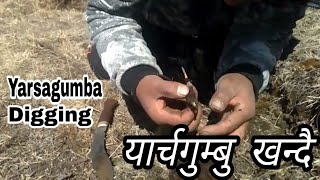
[118, 38]
[256, 40]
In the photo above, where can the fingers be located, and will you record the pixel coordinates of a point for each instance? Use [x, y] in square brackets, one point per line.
[201, 125]
[230, 123]
[193, 88]
[241, 131]
[173, 90]
[175, 116]
[221, 98]
[195, 123]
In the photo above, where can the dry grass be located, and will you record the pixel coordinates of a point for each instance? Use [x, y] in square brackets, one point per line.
[298, 76]
[44, 40]
[62, 4]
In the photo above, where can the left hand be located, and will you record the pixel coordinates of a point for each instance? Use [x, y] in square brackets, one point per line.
[234, 100]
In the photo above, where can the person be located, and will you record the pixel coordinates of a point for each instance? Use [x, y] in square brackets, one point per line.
[229, 48]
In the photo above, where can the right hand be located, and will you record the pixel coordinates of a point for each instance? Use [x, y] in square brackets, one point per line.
[153, 92]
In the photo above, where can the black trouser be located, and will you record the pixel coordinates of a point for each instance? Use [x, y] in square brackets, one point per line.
[199, 56]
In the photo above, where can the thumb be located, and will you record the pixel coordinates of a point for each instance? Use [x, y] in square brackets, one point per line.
[173, 90]
[221, 98]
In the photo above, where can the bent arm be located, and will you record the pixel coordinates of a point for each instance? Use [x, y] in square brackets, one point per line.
[260, 32]
[119, 42]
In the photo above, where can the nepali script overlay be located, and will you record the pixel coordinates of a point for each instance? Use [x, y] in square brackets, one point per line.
[141, 151]
[267, 151]
[183, 151]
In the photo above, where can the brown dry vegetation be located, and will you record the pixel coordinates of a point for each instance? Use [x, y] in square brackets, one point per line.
[46, 39]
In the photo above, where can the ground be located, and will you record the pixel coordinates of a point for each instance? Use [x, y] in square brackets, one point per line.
[43, 40]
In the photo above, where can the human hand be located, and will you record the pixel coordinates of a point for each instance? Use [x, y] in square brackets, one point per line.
[155, 95]
[234, 101]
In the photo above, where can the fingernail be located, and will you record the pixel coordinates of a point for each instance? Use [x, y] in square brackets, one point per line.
[182, 90]
[217, 105]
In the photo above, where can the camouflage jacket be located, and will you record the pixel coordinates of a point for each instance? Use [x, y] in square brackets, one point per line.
[259, 31]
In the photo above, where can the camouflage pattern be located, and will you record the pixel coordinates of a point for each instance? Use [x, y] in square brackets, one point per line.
[259, 31]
